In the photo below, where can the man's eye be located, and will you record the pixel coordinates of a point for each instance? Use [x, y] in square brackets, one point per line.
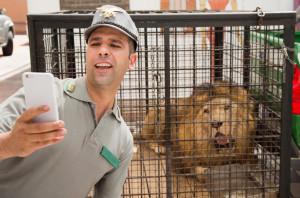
[115, 45]
[96, 44]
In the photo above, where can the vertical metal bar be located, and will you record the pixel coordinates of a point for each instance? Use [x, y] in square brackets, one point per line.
[265, 103]
[158, 89]
[32, 41]
[219, 53]
[194, 87]
[71, 68]
[232, 56]
[60, 53]
[212, 54]
[175, 57]
[175, 74]
[168, 113]
[54, 53]
[40, 50]
[146, 68]
[81, 55]
[194, 59]
[37, 48]
[246, 57]
[286, 127]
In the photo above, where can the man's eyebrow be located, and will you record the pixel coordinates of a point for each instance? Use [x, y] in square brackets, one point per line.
[96, 38]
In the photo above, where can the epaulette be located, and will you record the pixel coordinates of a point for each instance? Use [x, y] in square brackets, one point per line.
[69, 86]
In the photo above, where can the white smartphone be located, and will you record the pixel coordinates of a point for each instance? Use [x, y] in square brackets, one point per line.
[40, 90]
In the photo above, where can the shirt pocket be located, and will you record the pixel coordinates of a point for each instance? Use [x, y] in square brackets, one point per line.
[98, 163]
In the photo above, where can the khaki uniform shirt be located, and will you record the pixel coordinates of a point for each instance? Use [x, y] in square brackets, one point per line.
[91, 154]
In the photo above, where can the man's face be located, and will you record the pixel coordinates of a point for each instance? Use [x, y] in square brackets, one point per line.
[108, 57]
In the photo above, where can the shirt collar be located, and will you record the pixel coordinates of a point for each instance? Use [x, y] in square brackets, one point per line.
[76, 88]
[116, 111]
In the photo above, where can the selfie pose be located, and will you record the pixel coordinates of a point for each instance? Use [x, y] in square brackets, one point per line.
[90, 145]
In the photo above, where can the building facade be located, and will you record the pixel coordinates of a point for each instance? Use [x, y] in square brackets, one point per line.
[91, 4]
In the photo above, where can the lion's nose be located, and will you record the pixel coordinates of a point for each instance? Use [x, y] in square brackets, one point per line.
[216, 124]
[219, 134]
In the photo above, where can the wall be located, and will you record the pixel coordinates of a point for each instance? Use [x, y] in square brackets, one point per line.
[266, 5]
[91, 4]
[250, 5]
[144, 5]
[42, 6]
[17, 10]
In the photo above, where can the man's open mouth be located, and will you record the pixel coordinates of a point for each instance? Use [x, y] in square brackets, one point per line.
[103, 65]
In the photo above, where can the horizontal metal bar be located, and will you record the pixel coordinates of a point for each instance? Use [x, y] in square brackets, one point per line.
[175, 19]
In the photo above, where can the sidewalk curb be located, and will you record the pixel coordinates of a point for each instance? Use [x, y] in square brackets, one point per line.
[19, 69]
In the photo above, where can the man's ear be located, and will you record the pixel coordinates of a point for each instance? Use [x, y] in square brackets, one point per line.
[132, 60]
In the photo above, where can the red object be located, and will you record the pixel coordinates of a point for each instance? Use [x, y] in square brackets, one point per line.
[296, 91]
[218, 4]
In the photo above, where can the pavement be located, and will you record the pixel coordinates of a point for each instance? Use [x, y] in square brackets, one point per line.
[12, 67]
[18, 61]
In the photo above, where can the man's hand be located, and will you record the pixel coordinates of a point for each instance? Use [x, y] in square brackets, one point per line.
[27, 137]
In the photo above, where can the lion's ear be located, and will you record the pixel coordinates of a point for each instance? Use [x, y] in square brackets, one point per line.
[201, 93]
[201, 89]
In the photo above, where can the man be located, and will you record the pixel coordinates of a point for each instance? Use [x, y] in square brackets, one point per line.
[91, 144]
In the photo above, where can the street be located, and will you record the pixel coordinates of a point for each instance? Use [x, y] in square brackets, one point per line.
[12, 67]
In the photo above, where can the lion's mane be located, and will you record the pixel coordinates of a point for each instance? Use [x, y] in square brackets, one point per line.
[214, 126]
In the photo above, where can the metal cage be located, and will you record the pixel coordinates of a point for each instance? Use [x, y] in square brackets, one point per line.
[208, 102]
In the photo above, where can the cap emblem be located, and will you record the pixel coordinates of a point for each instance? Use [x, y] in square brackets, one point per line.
[107, 12]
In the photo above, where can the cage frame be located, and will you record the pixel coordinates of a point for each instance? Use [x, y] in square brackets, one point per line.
[147, 19]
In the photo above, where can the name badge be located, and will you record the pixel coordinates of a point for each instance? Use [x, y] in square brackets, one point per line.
[110, 157]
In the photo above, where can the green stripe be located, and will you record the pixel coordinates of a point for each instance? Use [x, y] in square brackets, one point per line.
[110, 157]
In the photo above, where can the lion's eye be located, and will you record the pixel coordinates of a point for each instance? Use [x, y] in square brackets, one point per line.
[206, 110]
[227, 107]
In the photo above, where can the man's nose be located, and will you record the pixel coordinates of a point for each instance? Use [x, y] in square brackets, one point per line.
[103, 51]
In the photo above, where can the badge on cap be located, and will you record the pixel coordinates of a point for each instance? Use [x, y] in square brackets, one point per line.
[110, 157]
[108, 12]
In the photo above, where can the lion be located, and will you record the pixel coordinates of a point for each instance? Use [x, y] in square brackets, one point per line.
[214, 126]
[219, 131]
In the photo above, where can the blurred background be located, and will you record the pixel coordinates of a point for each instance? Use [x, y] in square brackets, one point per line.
[18, 13]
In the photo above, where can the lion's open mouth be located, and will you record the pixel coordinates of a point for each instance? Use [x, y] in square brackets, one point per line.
[223, 141]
